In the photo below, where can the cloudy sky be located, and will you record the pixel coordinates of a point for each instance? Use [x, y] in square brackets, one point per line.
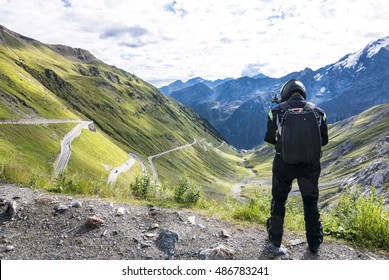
[162, 41]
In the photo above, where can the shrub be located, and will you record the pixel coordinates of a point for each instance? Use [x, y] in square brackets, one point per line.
[361, 219]
[186, 192]
[142, 187]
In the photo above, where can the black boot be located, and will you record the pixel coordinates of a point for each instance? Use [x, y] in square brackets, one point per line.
[275, 228]
[314, 236]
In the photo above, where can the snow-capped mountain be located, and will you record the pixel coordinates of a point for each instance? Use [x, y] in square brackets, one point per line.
[345, 88]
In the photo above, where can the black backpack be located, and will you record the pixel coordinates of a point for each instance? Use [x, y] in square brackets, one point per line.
[299, 129]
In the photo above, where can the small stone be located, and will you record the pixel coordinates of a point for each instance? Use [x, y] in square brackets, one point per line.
[296, 242]
[221, 252]
[150, 235]
[202, 226]
[154, 211]
[94, 221]
[77, 204]
[225, 234]
[192, 220]
[10, 248]
[145, 244]
[11, 209]
[120, 211]
[154, 226]
[61, 208]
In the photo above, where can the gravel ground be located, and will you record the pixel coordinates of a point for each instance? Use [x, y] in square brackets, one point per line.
[43, 226]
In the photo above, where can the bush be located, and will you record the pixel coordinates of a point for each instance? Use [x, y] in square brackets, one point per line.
[363, 220]
[186, 192]
[142, 187]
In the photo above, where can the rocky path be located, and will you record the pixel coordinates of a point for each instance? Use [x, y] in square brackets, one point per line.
[38, 225]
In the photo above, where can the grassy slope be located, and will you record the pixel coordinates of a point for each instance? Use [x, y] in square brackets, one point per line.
[61, 82]
[215, 170]
[27, 153]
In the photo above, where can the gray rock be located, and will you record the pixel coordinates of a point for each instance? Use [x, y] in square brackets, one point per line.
[120, 211]
[154, 226]
[192, 220]
[77, 204]
[61, 208]
[166, 242]
[225, 234]
[11, 209]
[9, 248]
[296, 242]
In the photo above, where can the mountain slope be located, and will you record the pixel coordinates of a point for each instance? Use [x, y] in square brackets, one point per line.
[54, 81]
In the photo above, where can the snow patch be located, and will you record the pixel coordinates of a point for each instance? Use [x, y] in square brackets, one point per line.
[350, 61]
[318, 77]
[322, 89]
[375, 48]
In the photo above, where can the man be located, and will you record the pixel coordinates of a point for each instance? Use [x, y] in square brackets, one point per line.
[293, 96]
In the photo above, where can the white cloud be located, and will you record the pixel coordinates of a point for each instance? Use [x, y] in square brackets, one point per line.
[180, 39]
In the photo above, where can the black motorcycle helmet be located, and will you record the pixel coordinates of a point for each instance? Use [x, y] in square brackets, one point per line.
[292, 86]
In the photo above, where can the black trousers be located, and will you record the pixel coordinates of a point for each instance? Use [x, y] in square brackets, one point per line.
[307, 176]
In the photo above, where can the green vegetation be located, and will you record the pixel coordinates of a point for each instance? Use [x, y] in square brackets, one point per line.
[363, 220]
[53, 81]
[185, 193]
[27, 153]
[212, 169]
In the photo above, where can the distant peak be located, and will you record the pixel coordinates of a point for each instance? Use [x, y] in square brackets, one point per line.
[375, 46]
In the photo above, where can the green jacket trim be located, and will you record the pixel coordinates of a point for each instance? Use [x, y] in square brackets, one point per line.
[270, 115]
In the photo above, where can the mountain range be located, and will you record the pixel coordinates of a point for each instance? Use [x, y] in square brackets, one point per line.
[345, 88]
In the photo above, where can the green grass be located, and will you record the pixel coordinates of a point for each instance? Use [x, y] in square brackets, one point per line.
[363, 220]
[213, 170]
[27, 153]
[94, 155]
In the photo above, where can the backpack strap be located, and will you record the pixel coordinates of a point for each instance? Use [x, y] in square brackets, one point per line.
[285, 106]
[309, 105]
[312, 107]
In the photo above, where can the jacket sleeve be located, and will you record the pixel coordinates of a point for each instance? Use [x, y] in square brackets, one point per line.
[323, 127]
[270, 136]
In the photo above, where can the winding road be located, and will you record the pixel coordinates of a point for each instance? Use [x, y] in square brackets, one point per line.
[115, 172]
[113, 175]
[63, 157]
[151, 158]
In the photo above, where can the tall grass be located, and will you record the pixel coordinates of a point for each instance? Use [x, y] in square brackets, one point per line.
[363, 220]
